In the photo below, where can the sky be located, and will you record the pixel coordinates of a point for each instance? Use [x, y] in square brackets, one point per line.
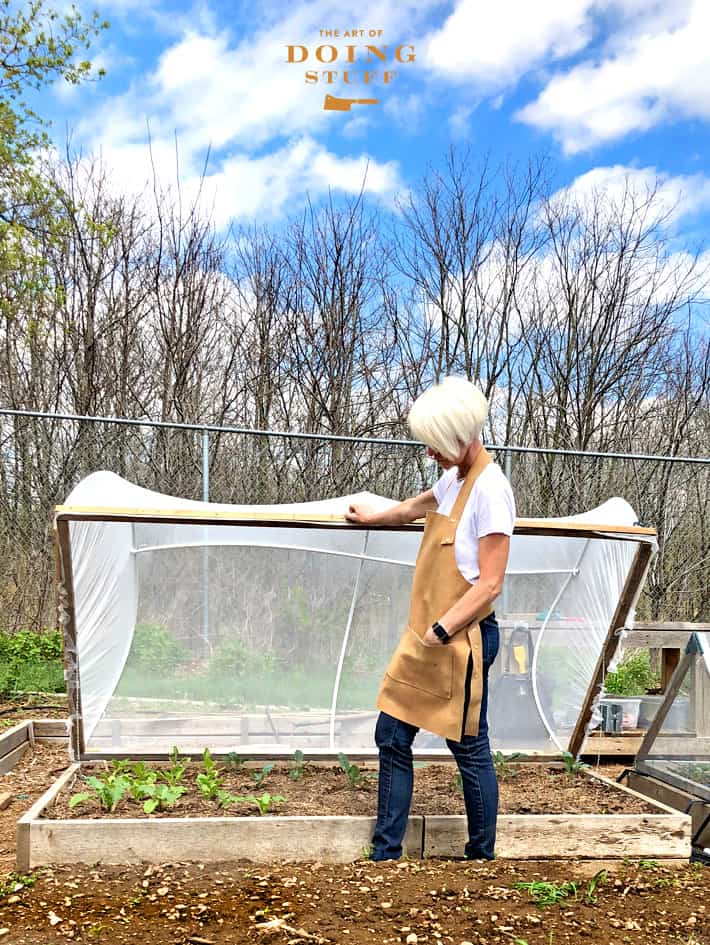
[608, 90]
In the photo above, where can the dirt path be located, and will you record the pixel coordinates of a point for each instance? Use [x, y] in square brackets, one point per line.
[361, 904]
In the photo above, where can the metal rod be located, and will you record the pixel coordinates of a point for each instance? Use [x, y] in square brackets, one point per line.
[321, 551]
[378, 441]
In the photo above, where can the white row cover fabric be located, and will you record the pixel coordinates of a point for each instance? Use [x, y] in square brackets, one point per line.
[266, 638]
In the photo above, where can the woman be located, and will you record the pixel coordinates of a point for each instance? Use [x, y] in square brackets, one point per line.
[438, 676]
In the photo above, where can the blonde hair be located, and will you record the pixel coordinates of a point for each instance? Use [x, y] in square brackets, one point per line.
[449, 416]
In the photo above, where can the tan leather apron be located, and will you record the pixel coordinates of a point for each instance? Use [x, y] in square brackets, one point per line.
[432, 685]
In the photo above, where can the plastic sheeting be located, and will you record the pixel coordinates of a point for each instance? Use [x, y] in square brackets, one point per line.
[680, 752]
[270, 637]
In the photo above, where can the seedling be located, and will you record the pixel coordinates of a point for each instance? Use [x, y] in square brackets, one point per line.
[262, 775]
[233, 761]
[572, 765]
[356, 779]
[264, 801]
[548, 894]
[648, 865]
[209, 781]
[503, 766]
[458, 782]
[143, 786]
[109, 790]
[163, 796]
[176, 772]
[225, 799]
[296, 771]
[597, 880]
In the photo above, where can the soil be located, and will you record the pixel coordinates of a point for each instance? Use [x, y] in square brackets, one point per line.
[363, 903]
[43, 706]
[323, 789]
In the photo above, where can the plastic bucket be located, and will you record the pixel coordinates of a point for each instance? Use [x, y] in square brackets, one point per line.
[630, 708]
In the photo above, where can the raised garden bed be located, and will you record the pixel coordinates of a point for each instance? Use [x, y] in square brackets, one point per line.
[544, 812]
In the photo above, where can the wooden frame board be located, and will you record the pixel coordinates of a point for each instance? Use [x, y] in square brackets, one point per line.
[665, 834]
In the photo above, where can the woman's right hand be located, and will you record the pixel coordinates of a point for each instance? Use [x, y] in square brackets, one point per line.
[361, 514]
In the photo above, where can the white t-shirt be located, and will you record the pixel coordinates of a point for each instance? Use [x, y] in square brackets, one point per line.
[490, 509]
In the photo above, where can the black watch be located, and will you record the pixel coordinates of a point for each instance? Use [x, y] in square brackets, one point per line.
[440, 632]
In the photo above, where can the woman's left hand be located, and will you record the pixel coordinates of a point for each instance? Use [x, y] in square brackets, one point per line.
[431, 639]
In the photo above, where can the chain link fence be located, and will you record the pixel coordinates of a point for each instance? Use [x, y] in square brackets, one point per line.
[42, 456]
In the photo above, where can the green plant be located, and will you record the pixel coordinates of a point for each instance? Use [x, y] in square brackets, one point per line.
[233, 761]
[235, 658]
[599, 878]
[261, 775]
[356, 779]
[14, 882]
[264, 801]
[162, 796]
[633, 676]
[458, 782]
[503, 765]
[209, 781]
[548, 894]
[154, 648]
[572, 765]
[109, 791]
[296, 771]
[225, 799]
[31, 661]
[648, 865]
[178, 766]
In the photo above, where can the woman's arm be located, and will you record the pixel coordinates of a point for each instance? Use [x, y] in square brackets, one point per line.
[476, 602]
[401, 514]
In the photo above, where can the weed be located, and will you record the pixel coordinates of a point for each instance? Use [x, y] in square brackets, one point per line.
[262, 775]
[108, 790]
[597, 880]
[366, 852]
[264, 801]
[458, 782]
[13, 882]
[572, 765]
[548, 894]
[296, 771]
[648, 864]
[503, 765]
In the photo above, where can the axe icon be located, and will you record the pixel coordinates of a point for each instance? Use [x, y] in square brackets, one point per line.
[333, 104]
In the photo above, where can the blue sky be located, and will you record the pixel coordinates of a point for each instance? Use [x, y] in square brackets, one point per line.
[608, 89]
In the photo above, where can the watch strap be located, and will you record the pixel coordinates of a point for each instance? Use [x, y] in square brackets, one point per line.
[440, 632]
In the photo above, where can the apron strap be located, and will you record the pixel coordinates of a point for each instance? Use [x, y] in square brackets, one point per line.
[482, 460]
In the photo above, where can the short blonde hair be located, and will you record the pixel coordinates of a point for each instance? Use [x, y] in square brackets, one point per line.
[449, 416]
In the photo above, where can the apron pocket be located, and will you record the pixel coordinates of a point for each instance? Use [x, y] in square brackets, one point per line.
[429, 668]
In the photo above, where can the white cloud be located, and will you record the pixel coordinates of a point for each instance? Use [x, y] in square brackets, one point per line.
[246, 187]
[495, 43]
[240, 98]
[653, 75]
[674, 196]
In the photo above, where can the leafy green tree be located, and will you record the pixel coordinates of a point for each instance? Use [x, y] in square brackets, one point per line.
[38, 45]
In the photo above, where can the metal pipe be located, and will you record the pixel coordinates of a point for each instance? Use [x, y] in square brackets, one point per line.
[246, 431]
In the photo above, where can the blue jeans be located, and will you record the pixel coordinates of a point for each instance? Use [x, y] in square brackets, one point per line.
[473, 757]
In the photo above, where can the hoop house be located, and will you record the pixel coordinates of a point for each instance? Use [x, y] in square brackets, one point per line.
[266, 629]
[676, 748]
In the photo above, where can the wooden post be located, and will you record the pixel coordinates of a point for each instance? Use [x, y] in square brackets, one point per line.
[669, 660]
[65, 596]
[636, 574]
